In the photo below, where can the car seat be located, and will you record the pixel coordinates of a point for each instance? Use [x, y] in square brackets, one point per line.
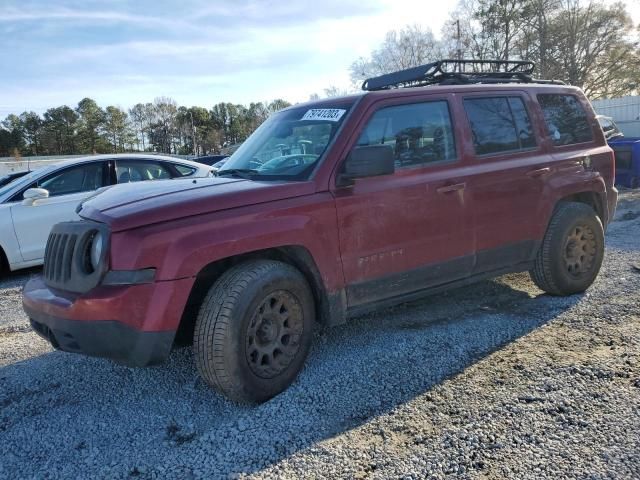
[124, 177]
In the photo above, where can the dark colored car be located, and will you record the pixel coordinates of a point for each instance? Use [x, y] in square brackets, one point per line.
[627, 151]
[433, 178]
[210, 159]
[10, 177]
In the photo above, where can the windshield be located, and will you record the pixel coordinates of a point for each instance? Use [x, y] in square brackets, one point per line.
[286, 146]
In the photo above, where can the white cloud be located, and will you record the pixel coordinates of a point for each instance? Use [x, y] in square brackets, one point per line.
[201, 54]
[14, 15]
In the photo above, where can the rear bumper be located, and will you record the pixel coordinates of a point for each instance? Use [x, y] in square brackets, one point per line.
[133, 325]
[612, 198]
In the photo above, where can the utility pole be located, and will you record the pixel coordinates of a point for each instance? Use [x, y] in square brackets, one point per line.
[193, 133]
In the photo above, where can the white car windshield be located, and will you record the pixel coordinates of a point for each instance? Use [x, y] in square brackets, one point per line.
[288, 145]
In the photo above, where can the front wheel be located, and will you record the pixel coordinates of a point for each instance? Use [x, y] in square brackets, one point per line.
[254, 330]
[572, 251]
[4, 264]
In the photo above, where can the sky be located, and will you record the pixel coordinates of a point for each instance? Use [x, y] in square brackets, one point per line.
[199, 52]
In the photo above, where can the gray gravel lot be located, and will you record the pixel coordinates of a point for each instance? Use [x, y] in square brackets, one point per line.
[491, 381]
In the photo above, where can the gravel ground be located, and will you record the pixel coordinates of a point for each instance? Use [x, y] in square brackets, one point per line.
[491, 381]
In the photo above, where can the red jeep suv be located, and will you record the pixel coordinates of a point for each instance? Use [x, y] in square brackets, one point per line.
[433, 178]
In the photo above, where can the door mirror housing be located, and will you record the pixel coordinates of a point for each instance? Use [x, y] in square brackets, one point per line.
[368, 161]
[32, 195]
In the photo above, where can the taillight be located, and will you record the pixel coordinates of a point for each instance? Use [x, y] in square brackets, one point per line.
[613, 164]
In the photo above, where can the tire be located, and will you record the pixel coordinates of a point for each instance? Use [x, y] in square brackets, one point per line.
[572, 251]
[254, 330]
[4, 264]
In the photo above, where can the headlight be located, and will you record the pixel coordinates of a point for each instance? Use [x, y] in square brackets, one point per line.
[97, 245]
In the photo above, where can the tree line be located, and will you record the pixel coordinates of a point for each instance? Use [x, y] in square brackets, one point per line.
[161, 126]
[585, 43]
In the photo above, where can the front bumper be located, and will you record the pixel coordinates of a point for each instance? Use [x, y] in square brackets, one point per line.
[133, 325]
[107, 339]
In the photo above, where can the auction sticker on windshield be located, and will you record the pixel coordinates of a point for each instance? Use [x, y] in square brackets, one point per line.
[330, 114]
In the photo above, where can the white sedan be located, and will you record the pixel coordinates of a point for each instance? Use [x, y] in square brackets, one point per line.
[32, 204]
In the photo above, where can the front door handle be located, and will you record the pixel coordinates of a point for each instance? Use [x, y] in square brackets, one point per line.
[451, 188]
[539, 172]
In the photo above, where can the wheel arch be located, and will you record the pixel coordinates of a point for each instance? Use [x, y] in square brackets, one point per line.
[594, 199]
[4, 261]
[330, 307]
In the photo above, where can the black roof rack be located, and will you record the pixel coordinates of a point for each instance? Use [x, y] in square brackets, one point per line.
[458, 72]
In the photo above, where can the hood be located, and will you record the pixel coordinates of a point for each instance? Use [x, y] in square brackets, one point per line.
[133, 205]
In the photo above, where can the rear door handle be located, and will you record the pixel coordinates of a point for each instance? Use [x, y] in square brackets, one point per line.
[451, 188]
[539, 172]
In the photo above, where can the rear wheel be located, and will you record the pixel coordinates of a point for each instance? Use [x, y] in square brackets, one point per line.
[254, 330]
[572, 251]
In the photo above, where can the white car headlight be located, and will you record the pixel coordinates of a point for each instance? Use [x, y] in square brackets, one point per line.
[97, 245]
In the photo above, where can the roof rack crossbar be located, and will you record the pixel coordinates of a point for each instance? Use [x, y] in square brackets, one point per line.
[457, 72]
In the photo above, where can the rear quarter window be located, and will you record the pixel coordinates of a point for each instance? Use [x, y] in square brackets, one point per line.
[567, 121]
[183, 170]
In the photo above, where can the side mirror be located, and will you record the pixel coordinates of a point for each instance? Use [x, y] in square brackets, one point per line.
[368, 161]
[34, 194]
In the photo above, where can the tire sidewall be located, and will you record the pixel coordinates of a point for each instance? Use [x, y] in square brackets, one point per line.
[258, 388]
[563, 279]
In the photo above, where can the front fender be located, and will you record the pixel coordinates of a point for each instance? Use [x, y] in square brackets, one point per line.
[8, 240]
[181, 248]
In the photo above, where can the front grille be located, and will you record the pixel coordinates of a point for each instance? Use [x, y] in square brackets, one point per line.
[58, 256]
[66, 258]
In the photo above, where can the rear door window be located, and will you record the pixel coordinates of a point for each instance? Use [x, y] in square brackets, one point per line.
[566, 119]
[499, 124]
[138, 171]
[419, 133]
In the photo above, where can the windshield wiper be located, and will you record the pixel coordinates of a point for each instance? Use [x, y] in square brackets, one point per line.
[238, 172]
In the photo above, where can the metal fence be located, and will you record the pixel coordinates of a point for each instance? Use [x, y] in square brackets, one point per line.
[10, 164]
